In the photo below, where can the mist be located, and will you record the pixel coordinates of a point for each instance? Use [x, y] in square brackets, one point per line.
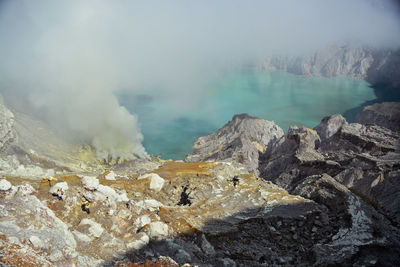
[64, 61]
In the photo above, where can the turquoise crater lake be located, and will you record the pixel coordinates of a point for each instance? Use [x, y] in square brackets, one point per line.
[278, 96]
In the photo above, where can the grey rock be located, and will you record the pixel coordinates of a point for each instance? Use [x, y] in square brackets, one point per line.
[284, 161]
[329, 126]
[376, 66]
[226, 262]
[182, 256]
[207, 248]
[365, 158]
[385, 114]
[356, 224]
[240, 140]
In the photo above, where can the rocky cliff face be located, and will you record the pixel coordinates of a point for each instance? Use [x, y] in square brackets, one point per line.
[365, 158]
[375, 66]
[326, 196]
[240, 140]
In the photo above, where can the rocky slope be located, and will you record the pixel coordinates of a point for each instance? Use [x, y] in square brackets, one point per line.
[327, 196]
[375, 66]
[383, 114]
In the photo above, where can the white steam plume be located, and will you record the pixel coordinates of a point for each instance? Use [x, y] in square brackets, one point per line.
[67, 59]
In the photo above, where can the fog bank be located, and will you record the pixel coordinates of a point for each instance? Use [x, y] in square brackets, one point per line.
[63, 61]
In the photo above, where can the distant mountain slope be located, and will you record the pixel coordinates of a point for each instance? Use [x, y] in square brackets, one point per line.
[375, 66]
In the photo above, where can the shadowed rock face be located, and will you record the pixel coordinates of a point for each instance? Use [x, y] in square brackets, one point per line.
[375, 66]
[240, 140]
[385, 114]
[365, 158]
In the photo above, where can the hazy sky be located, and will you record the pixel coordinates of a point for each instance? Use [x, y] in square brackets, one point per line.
[66, 59]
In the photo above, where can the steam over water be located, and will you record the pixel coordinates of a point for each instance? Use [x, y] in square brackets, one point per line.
[279, 96]
[65, 62]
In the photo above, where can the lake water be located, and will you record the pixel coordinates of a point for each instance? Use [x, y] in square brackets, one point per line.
[284, 98]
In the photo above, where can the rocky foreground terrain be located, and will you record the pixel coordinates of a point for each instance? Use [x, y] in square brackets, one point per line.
[248, 196]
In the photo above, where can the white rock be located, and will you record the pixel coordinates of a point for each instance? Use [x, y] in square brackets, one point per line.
[139, 243]
[25, 189]
[95, 228]
[110, 176]
[158, 230]
[60, 185]
[4, 185]
[123, 197]
[142, 221]
[156, 182]
[36, 242]
[90, 183]
[109, 192]
[149, 204]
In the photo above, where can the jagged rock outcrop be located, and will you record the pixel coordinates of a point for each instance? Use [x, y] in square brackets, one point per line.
[240, 140]
[288, 160]
[385, 114]
[375, 66]
[365, 158]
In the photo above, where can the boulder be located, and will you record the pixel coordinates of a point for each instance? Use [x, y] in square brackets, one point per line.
[329, 126]
[90, 183]
[5, 185]
[104, 191]
[240, 140]
[156, 182]
[158, 230]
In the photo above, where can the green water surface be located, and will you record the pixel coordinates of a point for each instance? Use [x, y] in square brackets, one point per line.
[284, 98]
